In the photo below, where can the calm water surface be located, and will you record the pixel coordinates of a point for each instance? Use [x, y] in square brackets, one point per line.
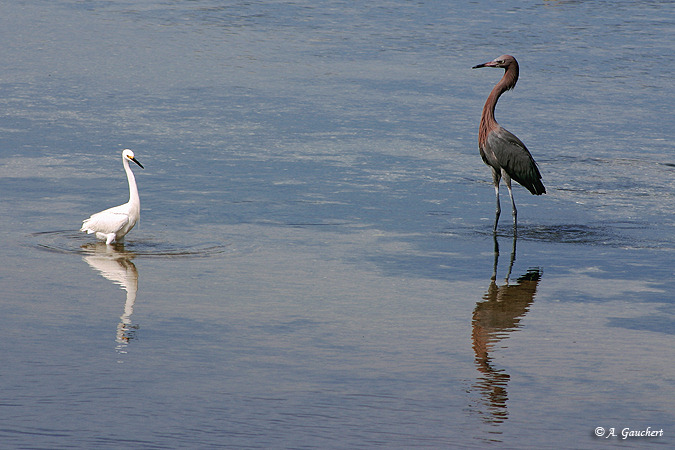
[314, 266]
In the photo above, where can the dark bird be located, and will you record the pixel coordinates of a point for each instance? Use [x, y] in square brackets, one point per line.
[506, 155]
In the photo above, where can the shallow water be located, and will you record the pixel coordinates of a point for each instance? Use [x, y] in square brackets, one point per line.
[315, 264]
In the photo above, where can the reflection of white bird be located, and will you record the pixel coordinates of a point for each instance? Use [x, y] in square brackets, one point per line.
[117, 267]
[114, 223]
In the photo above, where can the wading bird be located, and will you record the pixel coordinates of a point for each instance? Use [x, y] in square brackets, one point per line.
[506, 155]
[114, 223]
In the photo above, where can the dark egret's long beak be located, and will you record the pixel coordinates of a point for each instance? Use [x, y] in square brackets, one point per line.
[136, 161]
[487, 64]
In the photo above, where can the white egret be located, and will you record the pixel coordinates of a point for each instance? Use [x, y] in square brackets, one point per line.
[114, 223]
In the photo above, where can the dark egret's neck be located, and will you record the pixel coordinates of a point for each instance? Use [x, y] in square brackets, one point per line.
[487, 121]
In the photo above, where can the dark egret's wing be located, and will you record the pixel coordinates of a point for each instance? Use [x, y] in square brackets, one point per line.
[514, 157]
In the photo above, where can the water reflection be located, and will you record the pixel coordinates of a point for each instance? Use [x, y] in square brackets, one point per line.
[114, 263]
[495, 316]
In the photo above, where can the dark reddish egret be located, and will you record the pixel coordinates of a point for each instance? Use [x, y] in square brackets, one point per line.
[506, 155]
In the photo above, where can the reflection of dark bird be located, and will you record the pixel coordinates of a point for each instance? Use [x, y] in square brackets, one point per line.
[506, 155]
[498, 314]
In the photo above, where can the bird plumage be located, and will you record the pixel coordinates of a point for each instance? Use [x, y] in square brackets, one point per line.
[510, 153]
[114, 223]
[500, 149]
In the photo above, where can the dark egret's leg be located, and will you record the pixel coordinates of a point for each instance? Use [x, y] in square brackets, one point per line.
[513, 257]
[496, 177]
[496, 258]
[507, 180]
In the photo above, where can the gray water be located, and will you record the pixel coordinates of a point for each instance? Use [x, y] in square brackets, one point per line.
[315, 265]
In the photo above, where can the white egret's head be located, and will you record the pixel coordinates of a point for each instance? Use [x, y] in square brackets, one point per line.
[128, 154]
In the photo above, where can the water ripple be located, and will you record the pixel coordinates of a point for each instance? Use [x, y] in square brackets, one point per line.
[69, 241]
[616, 234]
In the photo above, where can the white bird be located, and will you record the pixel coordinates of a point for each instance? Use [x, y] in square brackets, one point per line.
[114, 223]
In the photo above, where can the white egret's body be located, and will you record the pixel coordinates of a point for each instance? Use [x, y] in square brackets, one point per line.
[113, 224]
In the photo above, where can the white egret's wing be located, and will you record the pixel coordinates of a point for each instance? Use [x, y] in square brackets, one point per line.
[109, 221]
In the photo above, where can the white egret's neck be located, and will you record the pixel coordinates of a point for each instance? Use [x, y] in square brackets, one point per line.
[134, 199]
